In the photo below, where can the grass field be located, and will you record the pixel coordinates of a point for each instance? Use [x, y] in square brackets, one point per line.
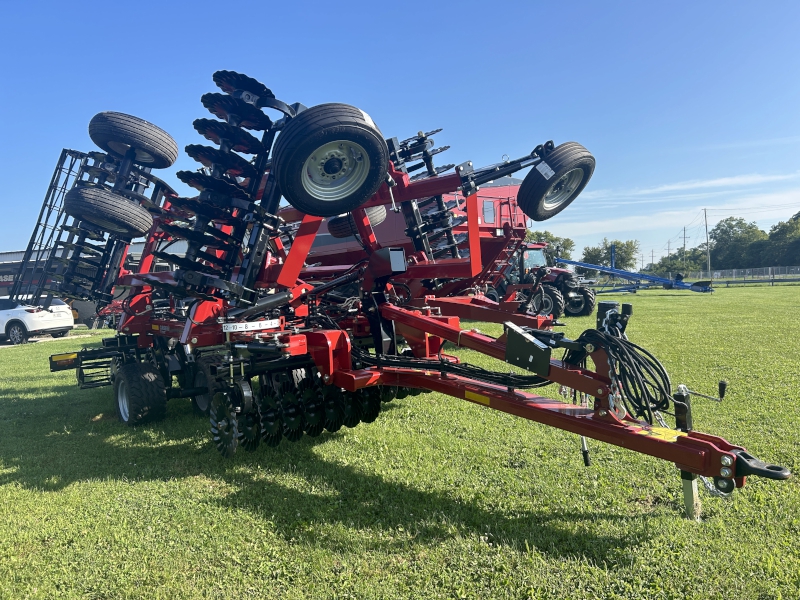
[436, 499]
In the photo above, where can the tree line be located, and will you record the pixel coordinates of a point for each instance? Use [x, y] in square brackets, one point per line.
[734, 244]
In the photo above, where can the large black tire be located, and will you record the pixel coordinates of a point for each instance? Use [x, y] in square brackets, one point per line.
[16, 333]
[591, 301]
[203, 378]
[107, 210]
[583, 306]
[345, 226]
[139, 393]
[555, 182]
[351, 166]
[550, 302]
[117, 132]
[492, 294]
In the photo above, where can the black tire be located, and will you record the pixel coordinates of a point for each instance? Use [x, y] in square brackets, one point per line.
[139, 393]
[555, 182]
[591, 300]
[345, 226]
[310, 131]
[117, 132]
[492, 294]
[109, 211]
[16, 333]
[60, 334]
[203, 378]
[551, 302]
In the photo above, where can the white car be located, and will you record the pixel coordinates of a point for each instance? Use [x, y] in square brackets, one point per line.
[20, 321]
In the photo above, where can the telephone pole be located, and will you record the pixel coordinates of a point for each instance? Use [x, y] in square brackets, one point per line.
[708, 248]
[684, 248]
[652, 258]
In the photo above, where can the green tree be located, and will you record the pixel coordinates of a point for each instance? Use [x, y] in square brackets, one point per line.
[782, 247]
[694, 259]
[730, 239]
[567, 245]
[625, 254]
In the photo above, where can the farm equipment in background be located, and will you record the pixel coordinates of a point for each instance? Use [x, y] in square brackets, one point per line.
[639, 281]
[270, 345]
[562, 291]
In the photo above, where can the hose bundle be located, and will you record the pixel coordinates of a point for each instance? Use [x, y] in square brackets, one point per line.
[645, 387]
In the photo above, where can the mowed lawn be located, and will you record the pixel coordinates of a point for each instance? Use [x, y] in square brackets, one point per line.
[436, 499]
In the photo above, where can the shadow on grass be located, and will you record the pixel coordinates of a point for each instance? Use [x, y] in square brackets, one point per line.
[67, 436]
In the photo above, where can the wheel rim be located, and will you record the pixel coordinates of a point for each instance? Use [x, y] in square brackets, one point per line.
[141, 156]
[15, 334]
[576, 304]
[546, 304]
[122, 401]
[335, 170]
[562, 190]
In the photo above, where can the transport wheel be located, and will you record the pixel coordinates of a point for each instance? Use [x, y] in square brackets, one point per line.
[140, 394]
[202, 378]
[552, 302]
[117, 133]
[330, 159]
[344, 226]
[112, 212]
[16, 333]
[555, 182]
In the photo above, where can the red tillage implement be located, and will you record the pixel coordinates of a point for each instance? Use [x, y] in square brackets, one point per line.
[271, 345]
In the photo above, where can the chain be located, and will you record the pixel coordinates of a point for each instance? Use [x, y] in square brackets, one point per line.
[712, 489]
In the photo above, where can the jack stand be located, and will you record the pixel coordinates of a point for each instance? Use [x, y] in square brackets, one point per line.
[587, 462]
[683, 421]
[691, 499]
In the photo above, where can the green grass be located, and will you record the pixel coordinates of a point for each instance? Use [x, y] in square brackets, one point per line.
[437, 498]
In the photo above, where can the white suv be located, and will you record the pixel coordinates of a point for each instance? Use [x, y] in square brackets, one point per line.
[19, 321]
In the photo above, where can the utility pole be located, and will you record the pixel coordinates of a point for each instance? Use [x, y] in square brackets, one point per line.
[652, 258]
[684, 248]
[668, 249]
[642, 267]
[708, 248]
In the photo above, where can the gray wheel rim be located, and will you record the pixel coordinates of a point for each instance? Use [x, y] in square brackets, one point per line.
[15, 334]
[576, 305]
[122, 401]
[543, 303]
[122, 148]
[335, 170]
[562, 189]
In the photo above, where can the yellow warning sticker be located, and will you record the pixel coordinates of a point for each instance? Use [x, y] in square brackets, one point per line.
[662, 433]
[476, 397]
[64, 357]
[154, 327]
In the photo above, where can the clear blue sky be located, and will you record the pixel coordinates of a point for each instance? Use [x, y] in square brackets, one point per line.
[685, 105]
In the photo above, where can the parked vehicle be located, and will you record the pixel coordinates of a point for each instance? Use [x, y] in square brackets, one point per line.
[20, 321]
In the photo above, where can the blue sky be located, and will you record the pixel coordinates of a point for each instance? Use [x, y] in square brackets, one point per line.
[685, 105]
